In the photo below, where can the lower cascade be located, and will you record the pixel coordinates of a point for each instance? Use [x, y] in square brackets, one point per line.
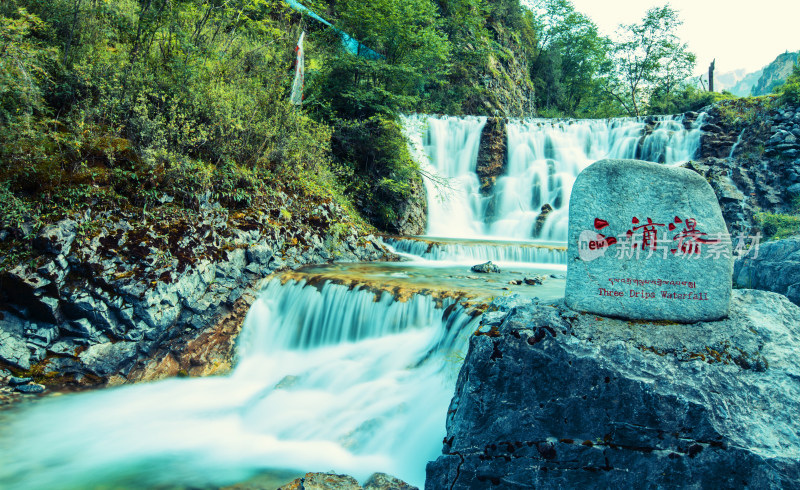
[327, 377]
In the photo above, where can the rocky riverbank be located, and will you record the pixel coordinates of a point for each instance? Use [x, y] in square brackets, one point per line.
[118, 297]
[751, 157]
[552, 398]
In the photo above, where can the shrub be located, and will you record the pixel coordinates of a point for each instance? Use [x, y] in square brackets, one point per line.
[779, 226]
[790, 91]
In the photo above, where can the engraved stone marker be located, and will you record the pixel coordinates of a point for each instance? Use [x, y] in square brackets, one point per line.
[647, 241]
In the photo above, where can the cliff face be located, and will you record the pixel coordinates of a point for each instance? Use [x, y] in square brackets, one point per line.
[775, 73]
[552, 398]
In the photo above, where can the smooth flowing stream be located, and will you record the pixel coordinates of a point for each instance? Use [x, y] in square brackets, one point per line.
[348, 367]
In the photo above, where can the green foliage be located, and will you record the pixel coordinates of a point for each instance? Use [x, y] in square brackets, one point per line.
[373, 158]
[138, 100]
[790, 91]
[649, 58]
[742, 110]
[406, 34]
[683, 99]
[570, 56]
[778, 226]
[23, 68]
[15, 210]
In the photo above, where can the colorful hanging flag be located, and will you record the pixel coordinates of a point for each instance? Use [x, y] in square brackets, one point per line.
[299, 73]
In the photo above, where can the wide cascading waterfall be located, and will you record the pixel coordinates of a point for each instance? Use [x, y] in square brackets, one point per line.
[328, 377]
[544, 157]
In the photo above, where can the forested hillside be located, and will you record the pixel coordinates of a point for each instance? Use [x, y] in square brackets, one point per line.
[162, 104]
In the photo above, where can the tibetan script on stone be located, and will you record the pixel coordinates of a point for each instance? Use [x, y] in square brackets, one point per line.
[647, 241]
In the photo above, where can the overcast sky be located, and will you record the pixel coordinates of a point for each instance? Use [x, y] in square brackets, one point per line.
[738, 34]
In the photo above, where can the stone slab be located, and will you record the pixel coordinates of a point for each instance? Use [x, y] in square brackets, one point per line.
[647, 242]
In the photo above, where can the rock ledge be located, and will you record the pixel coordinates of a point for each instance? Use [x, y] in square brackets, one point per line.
[548, 397]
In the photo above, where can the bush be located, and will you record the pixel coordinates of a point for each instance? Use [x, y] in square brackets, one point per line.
[790, 91]
[373, 161]
[779, 226]
[145, 99]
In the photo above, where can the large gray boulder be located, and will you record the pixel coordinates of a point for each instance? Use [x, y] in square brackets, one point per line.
[647, 241]
[552, 398]
[775, 266]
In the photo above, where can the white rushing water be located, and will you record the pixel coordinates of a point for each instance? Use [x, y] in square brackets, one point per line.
[328, 378]
[471, 252]
[544, 158]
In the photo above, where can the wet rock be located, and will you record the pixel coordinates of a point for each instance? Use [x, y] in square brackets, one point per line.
[30, 389]
[491, 154]
[57, 238]
[413, 212]
[541, 219]
[486, 267]
[41, 335]
[332, 481]
[15, 381]
[322, 481]
[13, 348]
[775, 266]
[534, 281]
[25, 287]
[81, 304]
[81, 328]
[560, 399]
[109, 358]
[382, 481]
[260, 254]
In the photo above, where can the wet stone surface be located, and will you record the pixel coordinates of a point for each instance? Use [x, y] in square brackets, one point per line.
[551, 398]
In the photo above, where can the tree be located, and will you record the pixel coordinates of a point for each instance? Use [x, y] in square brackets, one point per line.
[413, 57]
[647, 57]
[568, 57]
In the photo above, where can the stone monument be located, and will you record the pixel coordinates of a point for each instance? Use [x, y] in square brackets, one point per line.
[647, 242]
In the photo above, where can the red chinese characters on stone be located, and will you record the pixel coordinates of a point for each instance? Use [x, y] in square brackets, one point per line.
[690, 238]
[602, 241]
[649, 234]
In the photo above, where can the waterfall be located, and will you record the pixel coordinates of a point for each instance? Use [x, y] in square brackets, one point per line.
[328, 377]
[447, 150]
[472, 252]
[544, 158]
